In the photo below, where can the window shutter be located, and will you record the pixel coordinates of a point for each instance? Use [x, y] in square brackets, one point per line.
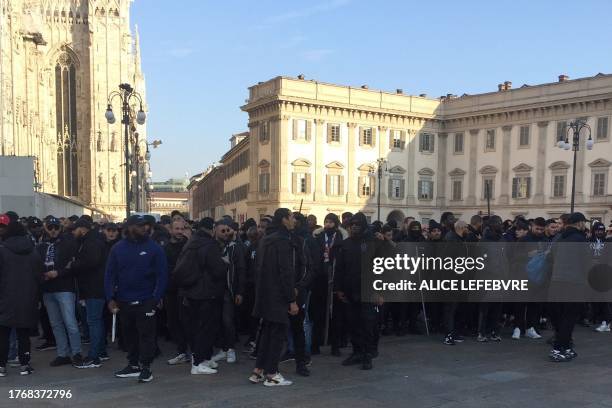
[372, 186]
[328, 182]
[341, 185]
[390, 195]
[329, 133]
[361, 133]
[295, 129]
[373, 129]
[360, 186]
[308, 130]
[514, 187]
[402, 188]
[403, 139]
[432, 139]
[420, 188]
[528, 187]
[308, 183]
[294, 183]
[391, 145]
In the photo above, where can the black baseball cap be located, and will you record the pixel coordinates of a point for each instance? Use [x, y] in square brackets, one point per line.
[576, 217]
[149, 219]
[135, 220]
[52, 221]
[110, 226]
[83, 222]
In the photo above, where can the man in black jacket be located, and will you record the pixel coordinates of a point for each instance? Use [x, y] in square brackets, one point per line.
[59, 295]
[275, 297]
[89, 267]
[203, 300]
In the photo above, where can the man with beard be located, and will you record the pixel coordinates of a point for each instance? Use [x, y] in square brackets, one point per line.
[172, 299]
[134, 283]
[275, 297]
[363, 313]
[88, 265]
[322, 300]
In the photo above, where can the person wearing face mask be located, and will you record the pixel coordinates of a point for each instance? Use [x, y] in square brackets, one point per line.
[134, 283]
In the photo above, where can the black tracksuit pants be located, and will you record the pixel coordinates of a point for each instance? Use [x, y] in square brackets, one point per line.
[175, 321]
[204, 320]
[23, 345]
[138, 323]
[566, 315]
[363, 321]
[270, 345]
[296, 325]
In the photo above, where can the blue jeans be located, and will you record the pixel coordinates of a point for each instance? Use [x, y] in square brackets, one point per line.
[95, 323]
[61, 310]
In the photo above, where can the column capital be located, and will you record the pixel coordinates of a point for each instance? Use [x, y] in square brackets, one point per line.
[383, 128]
[351, 125]
[543, 123]
[319, 121]
[507, 128]
[474, 131]
[442, 134]
[285, 117]
[253, 124]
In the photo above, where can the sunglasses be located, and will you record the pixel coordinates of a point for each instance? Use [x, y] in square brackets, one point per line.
[53, 227]
[224, 231]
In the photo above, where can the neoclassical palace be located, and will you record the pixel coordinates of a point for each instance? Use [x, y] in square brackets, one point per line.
[316, 145]
[59, 61]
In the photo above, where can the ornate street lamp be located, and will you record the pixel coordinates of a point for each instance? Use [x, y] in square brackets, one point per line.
[126, 94]
[575, 127]
[381, 168]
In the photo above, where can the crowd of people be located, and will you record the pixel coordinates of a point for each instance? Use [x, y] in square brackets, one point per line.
[283, 288]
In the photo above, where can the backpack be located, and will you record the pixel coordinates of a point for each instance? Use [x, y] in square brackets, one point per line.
[539, 268]
[186, 273]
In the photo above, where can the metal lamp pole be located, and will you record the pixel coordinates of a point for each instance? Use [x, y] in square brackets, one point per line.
[380, 169]
[576, 127]
[126, 94]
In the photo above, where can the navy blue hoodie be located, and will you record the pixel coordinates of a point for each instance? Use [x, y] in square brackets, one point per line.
[136, 271]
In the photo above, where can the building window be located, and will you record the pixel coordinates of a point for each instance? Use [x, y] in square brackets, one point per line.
[426, 142]
[521, 187]
[366, 186]
[458, 143]
[524, 136]
[301, 183]
[335, 184]
[561, 131]
[334, 131]
[366, 136]
[425, 189]
[602, 128]
[396, 188]
[300, 129]
[264, 183]
[558, 186]
[488, 185]
[457, 192]
[398, 142]
[264, 131]
[490, 141]
[599, 184]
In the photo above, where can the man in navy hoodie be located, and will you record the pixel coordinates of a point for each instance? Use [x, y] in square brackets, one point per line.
[134, 283]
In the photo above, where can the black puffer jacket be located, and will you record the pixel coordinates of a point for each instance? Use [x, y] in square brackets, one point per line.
[21, 271]
[89, 266]
[65, 249]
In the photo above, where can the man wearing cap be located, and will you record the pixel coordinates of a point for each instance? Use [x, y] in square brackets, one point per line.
[4, 222]
[569, 253]
[88, 265]
[134, 284]
[35, 228]
[59, 293]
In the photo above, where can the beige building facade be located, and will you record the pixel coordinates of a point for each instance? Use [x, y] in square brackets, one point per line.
[59, 61]
[316, 145]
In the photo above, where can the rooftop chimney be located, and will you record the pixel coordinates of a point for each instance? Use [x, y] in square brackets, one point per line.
[423, 95]
[507, 85]
[364, 87]
[399, 91]
[563, 78]
[301, 76]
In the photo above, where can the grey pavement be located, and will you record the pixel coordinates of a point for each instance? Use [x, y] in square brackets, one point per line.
[411, 371]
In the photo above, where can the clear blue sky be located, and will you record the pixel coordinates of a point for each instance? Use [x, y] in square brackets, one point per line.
[199, 56]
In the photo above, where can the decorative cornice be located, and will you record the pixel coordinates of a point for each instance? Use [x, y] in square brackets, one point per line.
[488, 170]
[600, 163]
[522, 168]
[426, 172]
[301, 163]
[457, 172]
[507, 128]
[264, 163]
[543, 123]
[397, 170]
[335, 165]
[559, 165]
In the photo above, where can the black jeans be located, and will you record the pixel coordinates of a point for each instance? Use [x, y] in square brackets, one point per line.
[363, 321]
[138, 323]
[527, 315]
[489, 314]
[204, 319]
[23, 345]
[296, 325]
[174, 321]
[566, 315]
[270, 345]
[601, 312]
[227, 335]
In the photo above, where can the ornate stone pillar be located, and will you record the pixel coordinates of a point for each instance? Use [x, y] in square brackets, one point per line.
[383, 150]
[253, 161]
[441, 173]
[351, 175]
[411, 170]
[504, 197]
[472, 164]
[318, 172]
[540, 173]
[283, 163]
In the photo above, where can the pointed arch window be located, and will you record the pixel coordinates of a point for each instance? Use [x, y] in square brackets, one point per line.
[66, 125]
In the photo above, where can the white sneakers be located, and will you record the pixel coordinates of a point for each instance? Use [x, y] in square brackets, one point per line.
[180, 359]
[603, 327]
[277, 380]
[202, 368]
[229, 356]
[516, 333]
[532, 333]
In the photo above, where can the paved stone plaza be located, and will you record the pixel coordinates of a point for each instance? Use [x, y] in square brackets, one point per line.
[412, 371]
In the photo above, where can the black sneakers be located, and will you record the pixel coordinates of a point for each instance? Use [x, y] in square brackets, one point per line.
[367, 362]
[129, 371]
[449, 340]
[145, 375]
[302, 370]
[46, 346]
[26, 370]
[89, 363]
[60, 361]
[353, 359]
[77, 360]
